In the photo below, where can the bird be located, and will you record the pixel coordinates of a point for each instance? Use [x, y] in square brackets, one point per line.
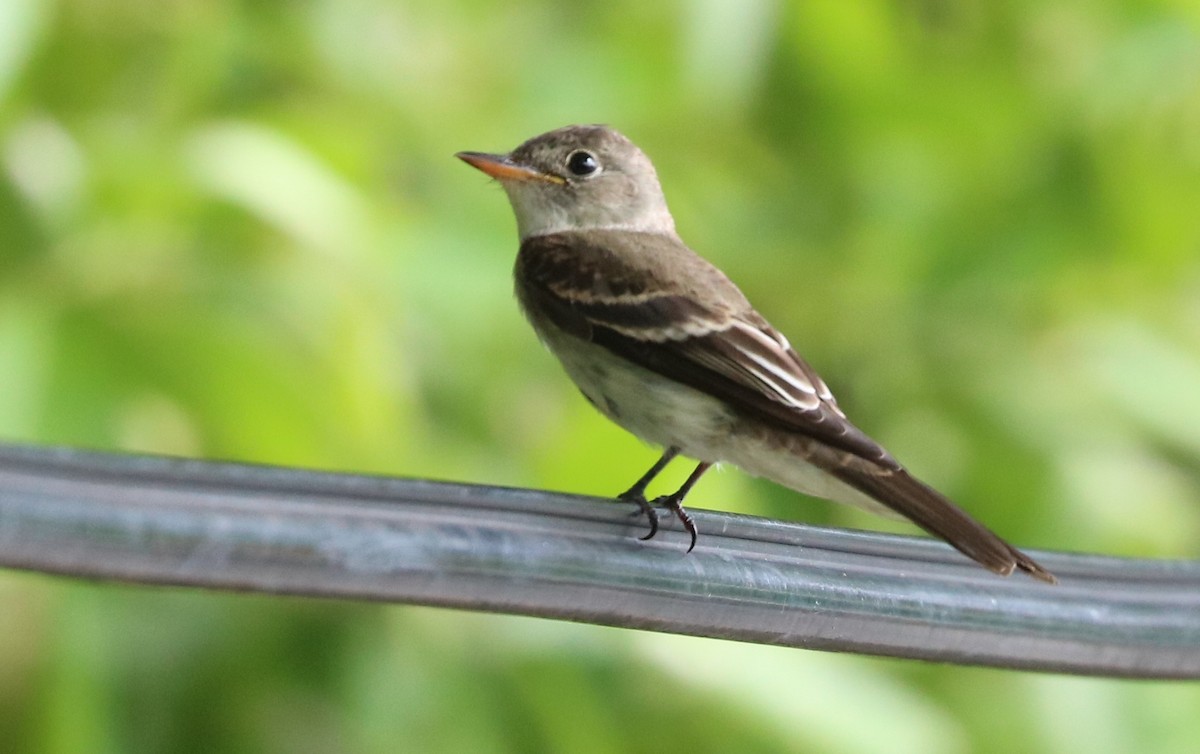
[665, 345]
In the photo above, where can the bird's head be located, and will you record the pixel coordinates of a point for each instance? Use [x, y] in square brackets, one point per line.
[578, 178]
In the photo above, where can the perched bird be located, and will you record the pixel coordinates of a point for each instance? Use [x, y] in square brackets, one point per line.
[665, 345]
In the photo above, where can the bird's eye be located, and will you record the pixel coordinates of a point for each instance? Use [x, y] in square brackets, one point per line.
[582, 163]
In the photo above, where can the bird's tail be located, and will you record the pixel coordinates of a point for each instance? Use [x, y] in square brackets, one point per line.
[936, 514]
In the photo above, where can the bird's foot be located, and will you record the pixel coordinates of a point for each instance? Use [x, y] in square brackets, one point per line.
[675, 505]
[644, 507]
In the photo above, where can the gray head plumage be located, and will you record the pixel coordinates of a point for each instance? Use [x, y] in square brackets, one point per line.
[579, 178]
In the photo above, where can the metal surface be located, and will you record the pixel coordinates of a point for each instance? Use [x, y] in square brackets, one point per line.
[227, 526]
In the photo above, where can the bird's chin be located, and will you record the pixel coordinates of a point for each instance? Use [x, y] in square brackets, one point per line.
[537, 214]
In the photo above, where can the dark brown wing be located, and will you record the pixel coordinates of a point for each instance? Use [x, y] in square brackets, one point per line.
[684, 320]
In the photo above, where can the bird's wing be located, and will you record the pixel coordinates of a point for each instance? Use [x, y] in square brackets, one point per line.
[707, 336]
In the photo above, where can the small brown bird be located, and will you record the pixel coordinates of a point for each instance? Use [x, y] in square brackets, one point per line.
[665, 345]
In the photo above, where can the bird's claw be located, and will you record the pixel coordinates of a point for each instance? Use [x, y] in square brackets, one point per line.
[672, 503]
[644, 507]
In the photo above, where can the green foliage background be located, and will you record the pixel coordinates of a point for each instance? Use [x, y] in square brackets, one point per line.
[236, 230]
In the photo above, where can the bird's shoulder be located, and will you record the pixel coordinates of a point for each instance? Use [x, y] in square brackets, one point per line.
[624, 266]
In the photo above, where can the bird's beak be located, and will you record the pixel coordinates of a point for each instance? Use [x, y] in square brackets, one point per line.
[502, 168]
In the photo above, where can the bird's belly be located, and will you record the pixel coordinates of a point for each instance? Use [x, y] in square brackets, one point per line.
[776, 457]
[656, 409]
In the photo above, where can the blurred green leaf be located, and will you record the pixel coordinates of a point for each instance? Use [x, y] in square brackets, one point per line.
[236, 230]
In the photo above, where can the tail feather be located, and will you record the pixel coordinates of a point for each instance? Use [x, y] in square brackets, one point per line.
[933, 512]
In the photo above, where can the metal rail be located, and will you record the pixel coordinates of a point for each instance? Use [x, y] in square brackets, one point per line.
[159, 520]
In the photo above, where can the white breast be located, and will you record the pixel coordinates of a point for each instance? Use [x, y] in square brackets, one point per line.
[656, 409]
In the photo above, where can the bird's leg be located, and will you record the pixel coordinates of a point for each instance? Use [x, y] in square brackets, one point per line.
[674, 501]
[637, 493]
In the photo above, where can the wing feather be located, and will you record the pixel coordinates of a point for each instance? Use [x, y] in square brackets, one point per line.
[708, 337]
